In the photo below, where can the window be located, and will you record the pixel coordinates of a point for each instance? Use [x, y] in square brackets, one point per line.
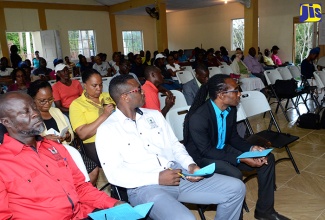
[82, 42]
[132, 41]
[238, 27]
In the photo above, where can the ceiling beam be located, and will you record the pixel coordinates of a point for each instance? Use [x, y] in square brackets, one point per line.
[131, 4]
[54, 6]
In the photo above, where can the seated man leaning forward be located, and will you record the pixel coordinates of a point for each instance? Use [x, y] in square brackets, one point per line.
[38, 178]
[210, 136]
[136, 148]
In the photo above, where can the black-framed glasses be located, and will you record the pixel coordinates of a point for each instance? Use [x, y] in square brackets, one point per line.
[45, 101]
[139, 90]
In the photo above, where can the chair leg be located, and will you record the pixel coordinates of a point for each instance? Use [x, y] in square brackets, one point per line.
[292, 160]
[103, 187]
[245, 206]
[201, 210]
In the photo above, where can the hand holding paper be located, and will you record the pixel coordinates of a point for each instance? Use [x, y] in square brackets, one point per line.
[207, 170]
[252, 154]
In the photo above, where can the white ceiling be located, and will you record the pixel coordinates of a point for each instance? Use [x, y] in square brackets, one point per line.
[171, 5]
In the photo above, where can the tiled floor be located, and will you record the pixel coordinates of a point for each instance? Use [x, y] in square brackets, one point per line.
[298, 196]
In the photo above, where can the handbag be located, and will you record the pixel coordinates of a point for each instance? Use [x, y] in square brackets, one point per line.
[309, 121]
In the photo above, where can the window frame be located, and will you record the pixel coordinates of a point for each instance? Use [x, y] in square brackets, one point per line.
[133, 48]
[85, 45]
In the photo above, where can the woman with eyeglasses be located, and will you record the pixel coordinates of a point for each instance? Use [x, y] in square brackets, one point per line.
[89, 111]
[41, 92]
[20, 82]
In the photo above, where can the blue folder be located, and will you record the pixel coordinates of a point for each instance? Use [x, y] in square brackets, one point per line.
[123, 212]
[251, 154]
[207, 170]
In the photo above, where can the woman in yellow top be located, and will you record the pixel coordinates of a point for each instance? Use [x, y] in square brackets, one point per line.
[89, 111]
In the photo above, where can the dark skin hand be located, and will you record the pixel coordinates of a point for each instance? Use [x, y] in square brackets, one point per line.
[172, 177]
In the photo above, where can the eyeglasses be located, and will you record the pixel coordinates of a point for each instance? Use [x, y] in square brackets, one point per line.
[139, 90]
[45, 101]
[235, 90]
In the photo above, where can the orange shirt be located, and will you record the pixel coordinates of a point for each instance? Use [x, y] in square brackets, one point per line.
[66, 94]
[151, 96]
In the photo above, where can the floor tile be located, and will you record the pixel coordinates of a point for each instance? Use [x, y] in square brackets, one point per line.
[317, 167]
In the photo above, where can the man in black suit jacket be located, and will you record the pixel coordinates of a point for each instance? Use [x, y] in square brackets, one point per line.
[206, 143]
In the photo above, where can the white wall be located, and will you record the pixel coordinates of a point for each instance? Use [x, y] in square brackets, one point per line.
[146, 24]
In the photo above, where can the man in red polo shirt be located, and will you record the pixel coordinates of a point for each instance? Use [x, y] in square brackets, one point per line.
[38, 177]
[154, 78]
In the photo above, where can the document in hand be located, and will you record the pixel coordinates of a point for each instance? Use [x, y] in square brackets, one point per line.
[207, 170]
[251, 154]
[123, 212]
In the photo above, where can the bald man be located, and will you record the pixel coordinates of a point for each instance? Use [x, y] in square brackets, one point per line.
[38, 177]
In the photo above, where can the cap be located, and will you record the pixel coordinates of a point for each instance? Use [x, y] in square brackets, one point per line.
[60, 67]
[159, 55]
[315, 50]
[22, 64]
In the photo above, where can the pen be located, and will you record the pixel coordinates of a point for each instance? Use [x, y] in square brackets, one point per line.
[180, 174]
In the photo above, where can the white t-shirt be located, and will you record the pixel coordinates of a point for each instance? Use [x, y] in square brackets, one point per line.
[102, 69]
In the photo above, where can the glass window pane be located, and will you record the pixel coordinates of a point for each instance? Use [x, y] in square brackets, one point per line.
[82, 42]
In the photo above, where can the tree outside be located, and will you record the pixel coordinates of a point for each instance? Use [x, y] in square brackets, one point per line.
[238, 30]
[304, 41]
[132, 41]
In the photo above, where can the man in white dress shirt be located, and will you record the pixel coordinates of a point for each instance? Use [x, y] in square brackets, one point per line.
[136, 148]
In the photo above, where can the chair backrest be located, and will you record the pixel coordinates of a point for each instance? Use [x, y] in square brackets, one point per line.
[214, 70]
[285, 73]
[107, 80]
[318, 75]
[224, 63]
[295, 72]
[188, 68]
[175, 118]
[271, 76]
[52, 82]
[105, 88]
[226, 69]
[184, 76]
[254, 103]
[241, 115]
[77, 78]
[180, 100]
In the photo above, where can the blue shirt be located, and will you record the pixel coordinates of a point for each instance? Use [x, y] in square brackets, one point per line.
[221, 121]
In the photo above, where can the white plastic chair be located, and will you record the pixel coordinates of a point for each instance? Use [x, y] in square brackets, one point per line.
[224, 63]
[285, 73]
[241, 115]
[106, 80]
[320, 83]
[175, 118]
[214, 70]
[52, 82]
[188, 68]
[271, 76]
[184, 76]
[225, 69]
[105, 88]
[277, 138]
[295, 72]
[180, 100]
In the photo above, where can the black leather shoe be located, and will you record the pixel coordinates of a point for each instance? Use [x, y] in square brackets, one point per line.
[273, 216]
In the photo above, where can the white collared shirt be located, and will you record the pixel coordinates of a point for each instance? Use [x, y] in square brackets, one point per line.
[132, 153]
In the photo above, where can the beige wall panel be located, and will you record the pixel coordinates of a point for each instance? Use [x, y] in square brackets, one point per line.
[79, 2]
[18, 19]
[210, 27]
[137, 23]
[63, 21]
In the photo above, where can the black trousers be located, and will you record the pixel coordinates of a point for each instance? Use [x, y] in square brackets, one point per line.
[265, 175]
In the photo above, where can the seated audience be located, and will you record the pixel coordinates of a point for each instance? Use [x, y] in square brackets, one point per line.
[15, 59]
[124, 69]
[169, 83]
[102, 67]
[53, 75]
[138, 68]
[276, 59]
[154, 78]
[147, 61]
[254, 66]
[210, 136]
[200, 58]
[149, 165]
[41, 92]
[36, 60]
[71, 66]
[248, 81]
[42, 72]
[65, 90]
[218, 56]
[238, 49]
[267, 59]
[191, 87]
[171, 66]
[307, 65]
[90, 110]
[115, 62]
[181, 56]
[224, 55]
[5, 69]
[154, 57]
[28, 70]
[212, 60]
[55, 188]
[20, 83]
[84, 64]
